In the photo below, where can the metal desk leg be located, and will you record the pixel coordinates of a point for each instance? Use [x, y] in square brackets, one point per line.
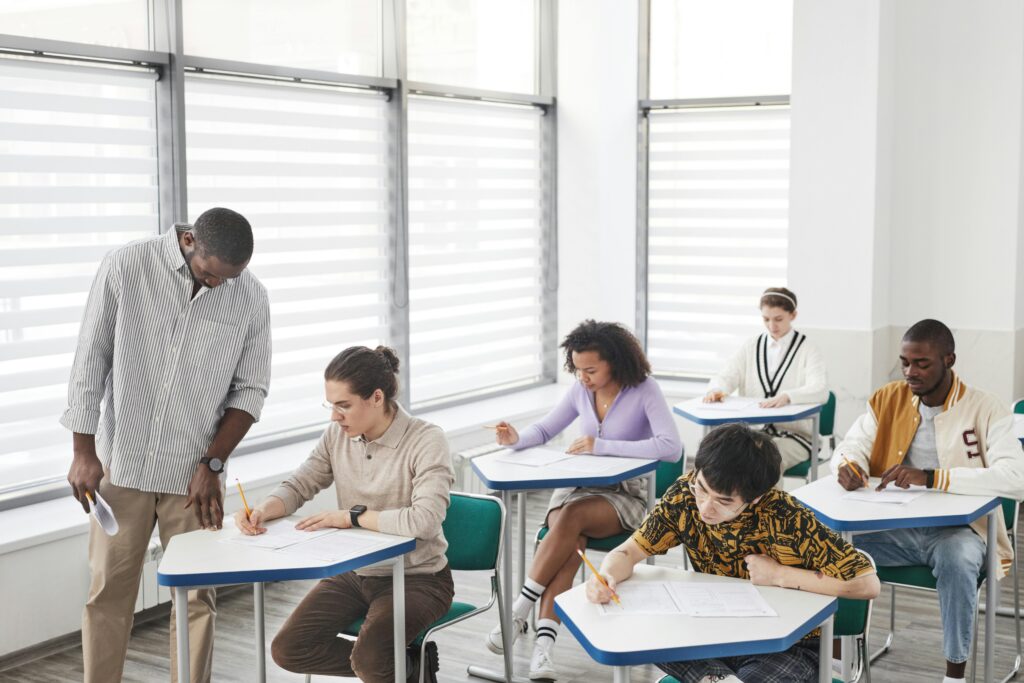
[398, 608]
[652, 484]
[521, 528]
[620, 674]
[991, 593]
[261, 643]
[825, 652]
[815, 445]
[848, 644]
[181, 631]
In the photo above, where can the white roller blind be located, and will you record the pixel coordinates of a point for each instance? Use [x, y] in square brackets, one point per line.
[474, 248]
[308, 168]
[718, 212]
[78, 177]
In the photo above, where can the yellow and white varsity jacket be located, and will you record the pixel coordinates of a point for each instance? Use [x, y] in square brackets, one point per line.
[978, 451]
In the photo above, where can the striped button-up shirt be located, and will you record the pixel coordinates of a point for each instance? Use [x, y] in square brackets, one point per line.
[164, 365]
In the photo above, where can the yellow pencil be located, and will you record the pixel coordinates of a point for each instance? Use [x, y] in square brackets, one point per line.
[498, 427]
[248, 512]
[856, 471]
[615, 596]
[89, 496]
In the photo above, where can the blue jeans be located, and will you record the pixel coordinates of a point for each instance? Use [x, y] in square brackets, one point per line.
[956, 556]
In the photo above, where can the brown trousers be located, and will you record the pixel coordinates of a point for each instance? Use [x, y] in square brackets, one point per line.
[309, 643]
[116, 563]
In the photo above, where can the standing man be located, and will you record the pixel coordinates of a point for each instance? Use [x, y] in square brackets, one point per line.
[175, 346]
[931, 429]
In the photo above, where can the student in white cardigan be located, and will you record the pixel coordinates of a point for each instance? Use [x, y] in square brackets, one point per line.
[782, 366]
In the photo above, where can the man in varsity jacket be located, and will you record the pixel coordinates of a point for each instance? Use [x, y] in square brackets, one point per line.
[933, 430]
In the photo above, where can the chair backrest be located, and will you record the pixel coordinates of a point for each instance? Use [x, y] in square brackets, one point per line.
[852, 616]
[1010, 513]
[827, 418]
[1018, 406]
[667, 473]
[473, 529]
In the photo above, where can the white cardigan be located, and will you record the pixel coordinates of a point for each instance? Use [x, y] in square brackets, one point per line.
[801, 376]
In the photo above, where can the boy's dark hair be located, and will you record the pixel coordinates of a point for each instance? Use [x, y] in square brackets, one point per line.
[932, 332]
[737, 460]
[615, 344]
[225, 234]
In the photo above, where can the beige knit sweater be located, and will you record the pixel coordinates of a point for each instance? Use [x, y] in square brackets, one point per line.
[406, 474]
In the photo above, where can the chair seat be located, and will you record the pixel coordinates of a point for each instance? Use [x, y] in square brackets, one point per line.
[454, 612]
[798, 470]
[918, 576]
[606, 544]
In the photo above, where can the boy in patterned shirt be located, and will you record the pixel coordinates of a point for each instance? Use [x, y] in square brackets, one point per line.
[733, 523]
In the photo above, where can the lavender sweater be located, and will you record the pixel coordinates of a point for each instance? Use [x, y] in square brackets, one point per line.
[638, 423]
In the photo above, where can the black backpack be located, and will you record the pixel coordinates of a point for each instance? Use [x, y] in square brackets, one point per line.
[430, 663]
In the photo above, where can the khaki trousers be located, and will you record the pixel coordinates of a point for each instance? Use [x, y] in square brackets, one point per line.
[115, 563]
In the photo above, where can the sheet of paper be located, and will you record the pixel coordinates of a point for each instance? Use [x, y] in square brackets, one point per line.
[280, 533]
[891, 494]
[342, 544]
[732, 404]
[104, 515]
[533, 457]
[589, 464]
[642, 597]
[700, 599]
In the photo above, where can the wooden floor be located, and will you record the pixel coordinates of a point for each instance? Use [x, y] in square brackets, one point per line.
[916, 655]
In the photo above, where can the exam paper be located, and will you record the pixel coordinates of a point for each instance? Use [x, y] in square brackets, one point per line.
[533, 457]
[642, 597]
[104, 515]
[342, 544]
[732, 404]
[689, 598]
[890, 494]
[280, 533]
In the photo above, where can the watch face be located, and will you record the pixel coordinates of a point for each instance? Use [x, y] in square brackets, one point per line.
[216, 464]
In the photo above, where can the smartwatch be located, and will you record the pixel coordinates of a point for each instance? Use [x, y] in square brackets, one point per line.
[216, 465]
[354, 514]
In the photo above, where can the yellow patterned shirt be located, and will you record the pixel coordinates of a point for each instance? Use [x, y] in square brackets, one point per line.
[776, 525]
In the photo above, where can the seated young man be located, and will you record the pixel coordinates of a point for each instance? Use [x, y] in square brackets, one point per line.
[734, 523]
[933, 430]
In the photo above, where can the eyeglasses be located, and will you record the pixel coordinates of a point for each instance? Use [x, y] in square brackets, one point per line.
[335, 407]
[702, 494]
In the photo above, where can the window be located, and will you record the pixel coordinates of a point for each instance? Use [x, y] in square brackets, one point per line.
[78, 176]
[475, 247]
[308, 168]
[116, 23]
[474, 43]
[326, 35]
[716, 178]
[717, 218]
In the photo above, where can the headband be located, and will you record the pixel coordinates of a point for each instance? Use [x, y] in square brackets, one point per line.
[780, 294]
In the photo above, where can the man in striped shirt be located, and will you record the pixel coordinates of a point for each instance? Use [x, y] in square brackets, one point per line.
[175, 348]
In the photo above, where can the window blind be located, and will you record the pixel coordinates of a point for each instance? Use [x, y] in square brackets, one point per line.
[78, 177]
[475, 240]
[307, 167]
[718, 209]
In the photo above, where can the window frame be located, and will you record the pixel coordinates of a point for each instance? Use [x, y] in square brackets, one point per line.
[171, 64]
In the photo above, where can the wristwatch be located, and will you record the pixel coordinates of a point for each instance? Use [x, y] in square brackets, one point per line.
[354, 514]
[216, 465]
[929, 478]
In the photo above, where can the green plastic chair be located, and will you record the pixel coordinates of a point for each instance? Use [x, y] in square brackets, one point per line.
[473, 528]
[826, 429]
[919, 577]
[852, 618]
[1018, 406]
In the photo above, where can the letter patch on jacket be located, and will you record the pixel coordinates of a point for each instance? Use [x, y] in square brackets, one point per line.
[971, 441]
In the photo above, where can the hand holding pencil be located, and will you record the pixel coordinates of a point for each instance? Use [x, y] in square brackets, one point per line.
[598, 585]
[851, 477]
[248, 520]
[505, 434]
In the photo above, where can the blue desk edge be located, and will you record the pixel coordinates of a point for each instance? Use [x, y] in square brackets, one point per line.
[726, 419]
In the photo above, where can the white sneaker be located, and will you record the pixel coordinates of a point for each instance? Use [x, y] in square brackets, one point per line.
[542, 667]
[493, 638]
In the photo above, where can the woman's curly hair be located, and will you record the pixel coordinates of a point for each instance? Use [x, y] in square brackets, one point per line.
[614, 344]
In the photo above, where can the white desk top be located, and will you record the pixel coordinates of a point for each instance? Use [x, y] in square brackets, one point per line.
[933, 508]
[200, 558]
[624, 640]
[505, 476]
[742, 409]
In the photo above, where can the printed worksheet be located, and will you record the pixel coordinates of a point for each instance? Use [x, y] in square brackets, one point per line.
[533, 457]
[698, 599]
[280, 533]
[643, 597]
[342, 544]
[891, 494]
